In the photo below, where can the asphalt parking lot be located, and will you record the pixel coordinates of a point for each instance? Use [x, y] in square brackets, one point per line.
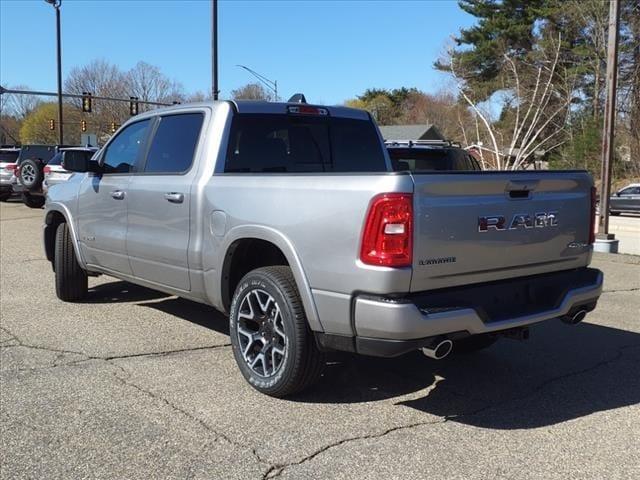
[136, 384]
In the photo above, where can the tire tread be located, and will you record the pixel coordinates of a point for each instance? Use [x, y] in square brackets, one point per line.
[71, 279]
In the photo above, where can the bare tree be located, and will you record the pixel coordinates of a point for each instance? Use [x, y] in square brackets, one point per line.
[537, 96]
[101, 79]
[19, 105]
[250, 91]
[149, 84]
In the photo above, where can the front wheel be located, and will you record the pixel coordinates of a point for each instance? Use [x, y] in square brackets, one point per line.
[272, 343]
[71, 279]
[33, 201]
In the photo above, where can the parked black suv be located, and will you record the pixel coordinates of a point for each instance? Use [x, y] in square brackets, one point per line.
[30, 172]
[429, 155]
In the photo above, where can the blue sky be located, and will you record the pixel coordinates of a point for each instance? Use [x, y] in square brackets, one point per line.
[330, 50]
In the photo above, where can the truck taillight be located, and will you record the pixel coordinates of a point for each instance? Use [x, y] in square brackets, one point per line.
[592, 223]
[11, 167]
[387, 239]
[46, 170]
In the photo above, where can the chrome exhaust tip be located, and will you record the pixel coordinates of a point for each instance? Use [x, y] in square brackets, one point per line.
[575, 317]
[438, 349]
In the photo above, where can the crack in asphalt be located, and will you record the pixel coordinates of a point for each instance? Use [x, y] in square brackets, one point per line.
[216, 434]
[62, 352]
[635, 289]
[277, 469]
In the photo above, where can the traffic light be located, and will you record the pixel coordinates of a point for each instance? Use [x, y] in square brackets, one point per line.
[133, 106]
[86, 102]
[83, 125]
[114, 127]
[52, 124]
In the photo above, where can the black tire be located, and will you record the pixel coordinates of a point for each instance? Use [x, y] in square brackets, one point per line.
[71, 279]
[474, 343]
[302, 362]
[33, 201]
[31, 173]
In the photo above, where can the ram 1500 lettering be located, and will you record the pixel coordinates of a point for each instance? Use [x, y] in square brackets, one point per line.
[289, 218]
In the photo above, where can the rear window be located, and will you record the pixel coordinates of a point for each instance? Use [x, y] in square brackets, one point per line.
[298, 143]
[431, 159]
[8, 157]
[56, 160]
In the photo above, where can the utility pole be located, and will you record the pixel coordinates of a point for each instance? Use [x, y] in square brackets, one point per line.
[606, 242]
[56, 5]
[214, 49]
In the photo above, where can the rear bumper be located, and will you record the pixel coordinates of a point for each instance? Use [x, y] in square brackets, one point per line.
[389, 327]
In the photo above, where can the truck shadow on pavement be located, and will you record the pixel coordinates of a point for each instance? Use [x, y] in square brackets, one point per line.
[562, 373]
[121, 292]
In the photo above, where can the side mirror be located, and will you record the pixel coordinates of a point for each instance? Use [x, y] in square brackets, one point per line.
[79, 161]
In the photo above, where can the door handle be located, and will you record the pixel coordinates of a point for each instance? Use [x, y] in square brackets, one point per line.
[174, 197]
[117, 194]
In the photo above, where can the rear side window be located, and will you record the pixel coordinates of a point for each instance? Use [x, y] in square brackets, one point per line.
[174, 143]
[299, 143]
[124, 151]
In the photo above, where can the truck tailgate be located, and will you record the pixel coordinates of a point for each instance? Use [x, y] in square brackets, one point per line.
[479, 227]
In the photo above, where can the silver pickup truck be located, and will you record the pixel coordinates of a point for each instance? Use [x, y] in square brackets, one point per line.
[290, 218]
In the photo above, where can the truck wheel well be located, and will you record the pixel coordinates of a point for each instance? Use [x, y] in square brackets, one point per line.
[52, 221]
[242, 257]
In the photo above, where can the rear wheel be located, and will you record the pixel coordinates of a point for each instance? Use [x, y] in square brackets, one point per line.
[71, 279]
[272, 343]
[33, 201]
[474, 343]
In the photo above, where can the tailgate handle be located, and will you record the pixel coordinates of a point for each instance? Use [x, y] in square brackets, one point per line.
[521, 188]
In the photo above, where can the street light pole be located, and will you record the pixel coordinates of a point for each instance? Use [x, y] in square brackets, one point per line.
[214, 49]
[271, 84]
[56, 4]
[608, 241]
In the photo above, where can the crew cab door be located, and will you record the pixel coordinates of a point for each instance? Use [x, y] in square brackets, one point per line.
[103, 200]
[158, 229]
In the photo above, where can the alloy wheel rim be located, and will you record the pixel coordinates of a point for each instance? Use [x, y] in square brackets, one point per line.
[261, 333]
[28, 174]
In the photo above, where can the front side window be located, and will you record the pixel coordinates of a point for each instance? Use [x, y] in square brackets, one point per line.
[174, 143]
[630, 191]
[124, 151]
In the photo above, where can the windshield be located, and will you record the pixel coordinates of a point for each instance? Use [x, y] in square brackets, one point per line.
[431, 159]
[301, 143]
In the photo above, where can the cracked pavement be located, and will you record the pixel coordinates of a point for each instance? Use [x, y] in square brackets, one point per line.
[136, 384]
